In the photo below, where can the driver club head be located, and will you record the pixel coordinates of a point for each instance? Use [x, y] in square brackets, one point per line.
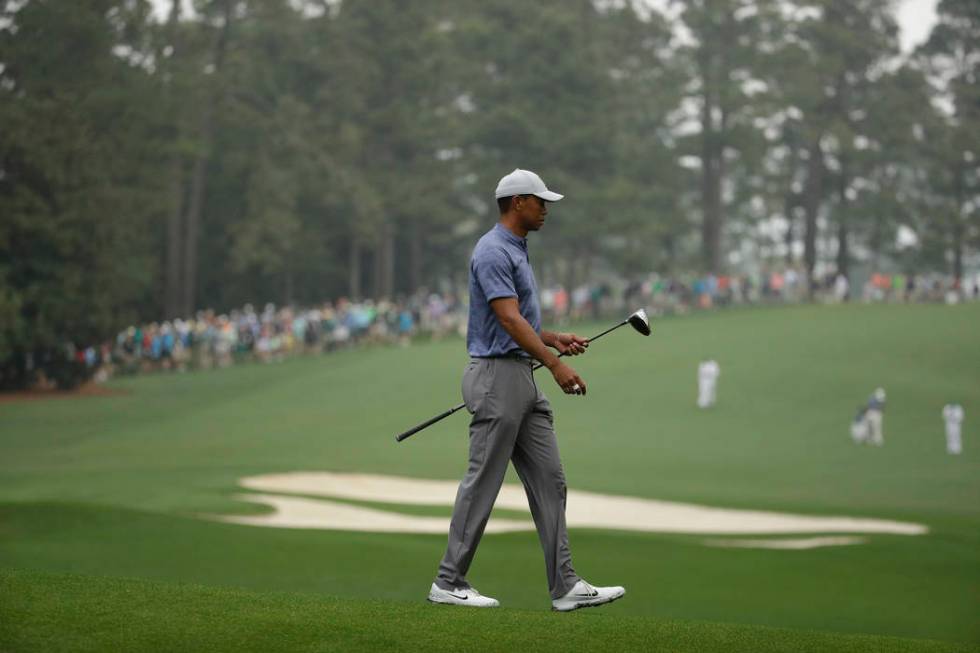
[640, 322]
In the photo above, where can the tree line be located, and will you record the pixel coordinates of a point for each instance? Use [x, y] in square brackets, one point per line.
[227, 151]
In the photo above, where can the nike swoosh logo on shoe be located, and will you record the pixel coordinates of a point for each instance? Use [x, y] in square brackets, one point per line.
[455, 596]
[589, 595]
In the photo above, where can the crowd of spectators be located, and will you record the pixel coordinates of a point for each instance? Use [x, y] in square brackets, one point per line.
[270, 335]
[209, 340]
[679, 294]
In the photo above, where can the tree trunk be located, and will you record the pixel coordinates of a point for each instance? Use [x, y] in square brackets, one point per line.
[711, 206]
[193, 221]
[791, 201]
[874, 242]
[715, 76]
[172, 294]
[843, 253]
[958, 220]
[386, 263]
[811, 206]
[354, 270]
[790, 236]
[174, 261]
[958, 253]
[376, 271]
[199, 175]
[670, 254]
[710, 167]
[414, 257]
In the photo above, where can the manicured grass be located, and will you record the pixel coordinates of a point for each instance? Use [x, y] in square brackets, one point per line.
[112, 485]
[86, 613]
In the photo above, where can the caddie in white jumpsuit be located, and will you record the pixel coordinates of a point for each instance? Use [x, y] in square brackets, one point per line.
[708, 373]
[953, 416]
[875, 418]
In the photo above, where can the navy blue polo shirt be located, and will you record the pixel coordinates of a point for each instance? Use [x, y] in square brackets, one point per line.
[500, 267]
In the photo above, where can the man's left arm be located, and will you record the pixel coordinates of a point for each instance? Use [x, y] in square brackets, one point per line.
[568, 344]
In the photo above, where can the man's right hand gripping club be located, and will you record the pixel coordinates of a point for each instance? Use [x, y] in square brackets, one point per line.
[509, 315]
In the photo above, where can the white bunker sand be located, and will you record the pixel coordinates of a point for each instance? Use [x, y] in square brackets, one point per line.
[584, 510]
[790, 544]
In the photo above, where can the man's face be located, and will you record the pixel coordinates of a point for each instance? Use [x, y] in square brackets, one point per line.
[531, 211]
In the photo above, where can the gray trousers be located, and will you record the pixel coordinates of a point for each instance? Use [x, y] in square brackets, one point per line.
[512, 420]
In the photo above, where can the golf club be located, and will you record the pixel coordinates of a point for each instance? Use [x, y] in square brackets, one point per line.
[637, 320]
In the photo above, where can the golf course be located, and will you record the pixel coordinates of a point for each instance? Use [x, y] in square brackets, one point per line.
[134, 520]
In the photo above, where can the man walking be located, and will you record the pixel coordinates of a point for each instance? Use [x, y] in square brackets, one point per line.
[512, 419]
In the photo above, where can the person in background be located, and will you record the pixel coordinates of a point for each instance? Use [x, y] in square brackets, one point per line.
[875, 417]
[708, 373]
[406, 326]
[859, 426]
[841, 288]
[953, 416]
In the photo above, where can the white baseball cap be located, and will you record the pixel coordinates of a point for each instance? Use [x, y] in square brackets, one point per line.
[524, 182]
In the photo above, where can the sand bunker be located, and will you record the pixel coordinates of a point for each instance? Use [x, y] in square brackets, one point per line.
[795, 544]
[298, 512]
[584, 510]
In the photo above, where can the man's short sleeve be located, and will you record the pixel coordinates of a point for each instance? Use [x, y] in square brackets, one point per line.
[494, 273]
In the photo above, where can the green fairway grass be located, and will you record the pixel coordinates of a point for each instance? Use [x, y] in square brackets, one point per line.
[115, 485]
[84, 613]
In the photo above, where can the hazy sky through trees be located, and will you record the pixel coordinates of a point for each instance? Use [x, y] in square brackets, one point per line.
[915, 18]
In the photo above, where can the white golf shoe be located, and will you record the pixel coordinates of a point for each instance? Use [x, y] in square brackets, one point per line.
[583, 595]
[468, 597]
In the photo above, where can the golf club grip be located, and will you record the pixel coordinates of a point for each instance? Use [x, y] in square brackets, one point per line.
[593, 338]
[412, 431]
[538, 366]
